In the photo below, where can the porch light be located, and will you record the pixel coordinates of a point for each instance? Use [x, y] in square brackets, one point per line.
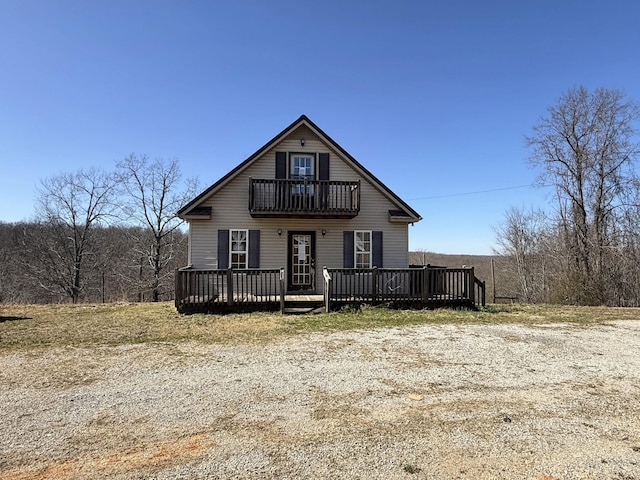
[302, 142]
[279, 232]
[324, 232]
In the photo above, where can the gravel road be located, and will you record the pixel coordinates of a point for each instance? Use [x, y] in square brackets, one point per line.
[425, 402]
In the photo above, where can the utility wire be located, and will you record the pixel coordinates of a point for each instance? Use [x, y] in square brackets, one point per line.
[477, 192]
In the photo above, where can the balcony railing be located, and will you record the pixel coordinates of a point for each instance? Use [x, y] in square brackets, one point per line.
[303, 198]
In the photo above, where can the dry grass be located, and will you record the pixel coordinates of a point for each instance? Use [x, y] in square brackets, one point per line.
[34, 326]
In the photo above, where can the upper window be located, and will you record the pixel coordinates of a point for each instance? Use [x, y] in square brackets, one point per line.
[362, 249]
[239, 248]
[302, 166]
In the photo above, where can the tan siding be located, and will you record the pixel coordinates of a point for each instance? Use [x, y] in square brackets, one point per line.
[230, 210]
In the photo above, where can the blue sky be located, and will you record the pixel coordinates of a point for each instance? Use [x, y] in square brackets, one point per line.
[434, 98]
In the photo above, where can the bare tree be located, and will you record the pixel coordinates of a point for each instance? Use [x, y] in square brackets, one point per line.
[521, 239]
[154, 193]
[69, 206]
[585, 149]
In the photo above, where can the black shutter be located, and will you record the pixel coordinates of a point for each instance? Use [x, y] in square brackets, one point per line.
[376, 249]
[323, 174]
[223, 249]
[323, 166]
[347, 250]
[254, 249]
[281, 165]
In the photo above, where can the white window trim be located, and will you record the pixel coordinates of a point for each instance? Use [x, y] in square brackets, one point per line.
[312, 156]
[355, 247]
[246, 251]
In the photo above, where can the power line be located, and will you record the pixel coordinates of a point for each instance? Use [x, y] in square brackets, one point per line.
[477, 192]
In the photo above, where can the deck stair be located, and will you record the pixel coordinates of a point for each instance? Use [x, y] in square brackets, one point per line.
[302, 304]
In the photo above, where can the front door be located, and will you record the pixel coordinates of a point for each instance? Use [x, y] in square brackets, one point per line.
[302, 262]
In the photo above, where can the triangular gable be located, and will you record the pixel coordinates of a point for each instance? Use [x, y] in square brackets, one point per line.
[409, 213]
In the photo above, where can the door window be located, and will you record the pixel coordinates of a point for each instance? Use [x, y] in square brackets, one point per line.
[301, 268]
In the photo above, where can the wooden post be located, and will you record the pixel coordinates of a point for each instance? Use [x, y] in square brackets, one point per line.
[328, 284]
[493, 279]
[282, 292]
[374, 284]
[472, 285]
[229, 286]
[177, 289]
[425, 284]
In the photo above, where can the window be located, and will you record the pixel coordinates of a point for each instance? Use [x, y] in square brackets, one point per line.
[239, 240]
[363, 249]
[302, 167]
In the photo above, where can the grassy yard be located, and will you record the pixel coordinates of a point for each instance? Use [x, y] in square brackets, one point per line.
[41, 326]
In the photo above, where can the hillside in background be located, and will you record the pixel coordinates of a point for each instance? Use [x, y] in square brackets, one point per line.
[504, 279]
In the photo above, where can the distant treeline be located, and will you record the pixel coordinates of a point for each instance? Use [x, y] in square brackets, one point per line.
[99, 236]
[116, 268]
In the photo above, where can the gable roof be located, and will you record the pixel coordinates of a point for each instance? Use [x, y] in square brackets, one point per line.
[187, 210]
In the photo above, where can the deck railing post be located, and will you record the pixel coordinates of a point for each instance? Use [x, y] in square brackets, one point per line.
[229, 286]
[178, 290]
[472, 286]
[282, 292]
[425, 284]
[328, 283]
[374, 284]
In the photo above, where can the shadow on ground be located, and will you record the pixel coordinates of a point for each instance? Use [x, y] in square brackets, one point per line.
[12, 319]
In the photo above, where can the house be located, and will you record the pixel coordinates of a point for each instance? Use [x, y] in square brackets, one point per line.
[276, 223]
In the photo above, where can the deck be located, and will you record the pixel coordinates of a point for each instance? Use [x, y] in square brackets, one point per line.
[223, 291]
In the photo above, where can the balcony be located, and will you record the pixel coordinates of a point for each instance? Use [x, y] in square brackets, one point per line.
[303, 198]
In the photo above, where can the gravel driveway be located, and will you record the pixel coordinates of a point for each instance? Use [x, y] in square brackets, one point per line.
[444, 401]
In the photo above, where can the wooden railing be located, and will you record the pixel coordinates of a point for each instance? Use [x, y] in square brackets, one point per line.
[309, 198]
[418, 286]
[215, 290]
[264, 289]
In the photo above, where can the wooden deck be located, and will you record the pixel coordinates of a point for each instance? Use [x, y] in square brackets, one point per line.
[223, 291]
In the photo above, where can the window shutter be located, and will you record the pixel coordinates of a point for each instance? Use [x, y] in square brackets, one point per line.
[323, 174]
[254, 249]
[347, 249]
[281, 165]
[223, 249]
[323, 166]
[376, 249]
